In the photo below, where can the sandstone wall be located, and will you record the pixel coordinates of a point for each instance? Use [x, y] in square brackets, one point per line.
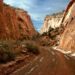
[14, 23]
[67, 41]
[52, 21]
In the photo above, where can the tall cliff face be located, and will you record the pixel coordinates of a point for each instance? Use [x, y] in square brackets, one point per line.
[3, 26]
[25, 24]
[51, 21]
[11, 22]
[67, 41]
[14, 23]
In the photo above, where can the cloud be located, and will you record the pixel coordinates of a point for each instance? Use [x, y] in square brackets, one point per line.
[38, 9]
[9, 1]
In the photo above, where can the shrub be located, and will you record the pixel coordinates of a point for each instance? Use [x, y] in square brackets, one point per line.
[6, 56]
[34, 37]
[44, 34]
[32, 49]
[45, 43]
[6, 53]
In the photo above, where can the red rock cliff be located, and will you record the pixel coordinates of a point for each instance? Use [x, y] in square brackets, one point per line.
[25, 24]
[67, 41]
[14, 23]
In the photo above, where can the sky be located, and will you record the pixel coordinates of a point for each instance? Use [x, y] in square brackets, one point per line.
[38, 9]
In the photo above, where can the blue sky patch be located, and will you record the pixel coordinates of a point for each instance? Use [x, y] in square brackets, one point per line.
[38, 9]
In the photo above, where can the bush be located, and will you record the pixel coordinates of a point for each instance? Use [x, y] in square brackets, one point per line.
[44, 34]
[32, 49]
[6, 56]
[34, 37]
[44, 43]
[6, 53]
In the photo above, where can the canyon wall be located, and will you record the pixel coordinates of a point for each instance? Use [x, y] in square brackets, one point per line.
[52, 21]
[25, 24]
[67, 41]
[14, 23]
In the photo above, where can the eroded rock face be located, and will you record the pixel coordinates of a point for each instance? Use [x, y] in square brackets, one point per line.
[52, 21]
[67, 41]
[14, 23]
[3, 25]
[25, 24]
[11, 22]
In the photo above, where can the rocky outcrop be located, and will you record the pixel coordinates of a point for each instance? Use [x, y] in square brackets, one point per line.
[67, 41]
[14, 23]
[51, 21]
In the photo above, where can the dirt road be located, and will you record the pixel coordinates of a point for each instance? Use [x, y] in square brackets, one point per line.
[49, 62]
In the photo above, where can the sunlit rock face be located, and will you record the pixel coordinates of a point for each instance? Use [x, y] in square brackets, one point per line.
[25, 24]
[67, 41]
[3, 26]
[14, 23]
[11, 22]
[51, 21]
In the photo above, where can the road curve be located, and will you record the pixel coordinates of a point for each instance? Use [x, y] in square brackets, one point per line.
[49, 62]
